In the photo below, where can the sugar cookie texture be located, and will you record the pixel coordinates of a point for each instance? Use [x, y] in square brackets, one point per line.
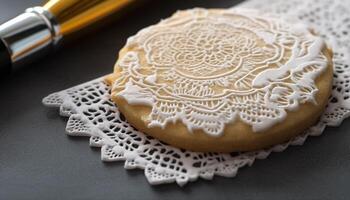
[222, 80]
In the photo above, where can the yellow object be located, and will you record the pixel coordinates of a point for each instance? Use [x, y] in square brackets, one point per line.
[72, 15]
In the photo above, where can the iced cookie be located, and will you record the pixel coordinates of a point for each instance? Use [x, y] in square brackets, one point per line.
[222, 80]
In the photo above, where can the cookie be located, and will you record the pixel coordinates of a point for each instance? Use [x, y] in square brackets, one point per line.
[218, 80]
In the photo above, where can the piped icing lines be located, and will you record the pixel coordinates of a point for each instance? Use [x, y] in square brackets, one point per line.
[209, 68]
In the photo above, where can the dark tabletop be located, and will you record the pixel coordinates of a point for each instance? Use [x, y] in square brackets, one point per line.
[38, 161]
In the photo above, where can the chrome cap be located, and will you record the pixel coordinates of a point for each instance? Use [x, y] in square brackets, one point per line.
[30, 35]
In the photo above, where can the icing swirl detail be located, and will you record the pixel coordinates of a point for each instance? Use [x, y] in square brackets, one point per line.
[209, 68]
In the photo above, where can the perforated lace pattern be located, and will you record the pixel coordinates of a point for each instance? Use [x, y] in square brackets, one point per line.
[91, 112]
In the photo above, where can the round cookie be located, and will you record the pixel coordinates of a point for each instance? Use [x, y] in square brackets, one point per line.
[222, 80]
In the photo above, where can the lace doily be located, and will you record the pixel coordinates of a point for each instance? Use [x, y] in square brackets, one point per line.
[91, 112]
[207, 68]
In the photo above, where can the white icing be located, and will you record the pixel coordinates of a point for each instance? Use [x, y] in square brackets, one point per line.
[151, 79]
[92, 113]
[295, 62]
[268, 37]
[136, 95]
[261, 65]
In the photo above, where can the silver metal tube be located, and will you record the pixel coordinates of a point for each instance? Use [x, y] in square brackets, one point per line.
[30, 35]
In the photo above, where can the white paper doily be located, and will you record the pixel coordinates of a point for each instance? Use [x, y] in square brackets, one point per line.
[91, 112]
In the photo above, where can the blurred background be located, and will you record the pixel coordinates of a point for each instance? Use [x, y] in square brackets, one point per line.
[38, 161]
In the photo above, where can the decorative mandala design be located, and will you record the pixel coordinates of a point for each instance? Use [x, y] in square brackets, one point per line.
[206, 68]
[92, 113]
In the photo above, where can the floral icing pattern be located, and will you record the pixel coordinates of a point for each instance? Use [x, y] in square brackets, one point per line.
[92, 113]
[208, 68]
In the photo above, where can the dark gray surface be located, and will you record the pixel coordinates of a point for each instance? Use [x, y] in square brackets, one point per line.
[38, 161]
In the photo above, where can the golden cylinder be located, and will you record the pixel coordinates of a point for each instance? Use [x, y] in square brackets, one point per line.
[73, 15]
